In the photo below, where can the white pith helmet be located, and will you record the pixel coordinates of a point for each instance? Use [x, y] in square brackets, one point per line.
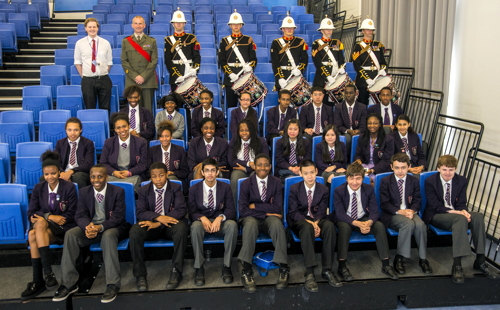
[367, 24]
[178, 17]
[235, 18]
[326, 24]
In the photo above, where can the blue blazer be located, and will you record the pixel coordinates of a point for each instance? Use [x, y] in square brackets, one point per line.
[282, 161]
[84, 154]
[147, 124]
[341, 203]
[237, 117]
[198, 115]
[138, 155]
[174, 204]
[417, 156]
[233, 160]
[341, 117]
[178, 159]
[114, 209]
[396, 111]
[249, 193]
[390, 200]
[307, 116]
[435, 192]
[224, 202]
[273, 120]
[297, 207]
[322, 165]
[197, 152]
[382, 154]
[65, 205]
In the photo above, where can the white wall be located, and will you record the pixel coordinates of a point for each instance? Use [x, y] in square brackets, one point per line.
[474, 91]
[352, 8]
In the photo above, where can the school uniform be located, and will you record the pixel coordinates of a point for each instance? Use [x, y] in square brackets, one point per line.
[276, 121]
[110, 213]
[299, 211]
[174, 206]
[197, 153]
[199, 114]
[177, 119]
[255, 220]
[223, 206]
[190, 47]
[177, 160]
[343, 218]
[237, 116]
[322, 165]
[343, 121]
[382, 154]
[415, 152]
[282, 66]
[392, 114]
[391, 203]
[308, 117]
[145, 124]
[283, 161]
[436, 213]
[84, 159]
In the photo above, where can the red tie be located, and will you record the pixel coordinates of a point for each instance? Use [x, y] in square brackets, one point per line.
[93, 56]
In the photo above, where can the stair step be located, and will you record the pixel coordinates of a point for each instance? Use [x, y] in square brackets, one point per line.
[37, 50]
[61, 28]
[36, 58]
[27, 81]
[11, 99]
[13, 73]
[12, 91]
[9, 107]
[57, 34]
[27, 64]
[50, 39]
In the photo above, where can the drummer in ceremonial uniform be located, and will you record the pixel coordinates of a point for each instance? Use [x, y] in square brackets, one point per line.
[368, 59]
[288, 54]
[328, 57]
[236, 54]
[182, 51]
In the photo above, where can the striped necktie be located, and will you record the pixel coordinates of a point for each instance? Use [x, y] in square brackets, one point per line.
[209, 147]
[448, 195]
[124, 146]
[400, 188]
[317, 125]
[332, 154]
[167, 160]
[309, 203]
[72, 156]
[354, 207]
[132, 118]
[350, 117]
[211, 202]
[207, 114]
[99, 197]
[264, 191]
[405, 143]
[293, 155]
[159, 201]
[246, 152]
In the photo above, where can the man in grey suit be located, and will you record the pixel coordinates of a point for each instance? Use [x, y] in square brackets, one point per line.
[139, 60]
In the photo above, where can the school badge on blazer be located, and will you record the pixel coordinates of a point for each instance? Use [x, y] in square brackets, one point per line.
[177, 164]
[63, 205]
[137, 159]
[221, 206]
[380, 154]
[356, 123]
[325, 122]
[410, 199]
[216, 158]
[414, 150]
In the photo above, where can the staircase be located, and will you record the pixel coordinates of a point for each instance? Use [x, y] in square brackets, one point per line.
[23, 68]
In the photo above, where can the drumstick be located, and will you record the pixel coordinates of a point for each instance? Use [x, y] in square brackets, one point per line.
[336, 75]
[378, 75]
[241, 71]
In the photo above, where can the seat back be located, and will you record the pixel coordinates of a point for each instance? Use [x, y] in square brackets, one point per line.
[51, 132]
[95, 115]
[288, 183]
[13, 134]
[54, 116]
[11, 222]
[193, 182]
[354, 145]
[5, 162]
[423, 203]
[33, 149]
[20, 117]
[94, 130]
[378, 181]
[238, 198]
[16, 193]
[130, 216]
[28, 171]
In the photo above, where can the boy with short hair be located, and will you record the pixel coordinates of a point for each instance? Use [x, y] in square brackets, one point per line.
[278, 115]
[314, 117]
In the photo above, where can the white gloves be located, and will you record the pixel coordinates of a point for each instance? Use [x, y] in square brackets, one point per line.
[341, 71]
[247, 68]
[382, 72]
[180, 79]
[191, 71]
[370, 82]
[330, 79]
[282, 83]
[296, 72]
[233, 77]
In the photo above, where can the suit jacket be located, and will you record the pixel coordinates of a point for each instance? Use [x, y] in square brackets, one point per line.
[341, 117]
[198, 115]
[197, 151]
[178, 159]
[322, 165]
[114, 209]
[178, 121]
[298, 206]
[341, 203]
[138, 155]
[84, 154]
[435, 192]
[298, 49]
[174, 204]
[65, 205]
[320, 55]
[361, 60]
[233, 160]
[396, 111]
[283, 161]
[224, 202]
[237, 117]
[249, 193]
[417, 156]
[382, 154]
[147, 125]
[307, 116]
[135, 64]
[273, 120]
[247, 48]
[389, 197]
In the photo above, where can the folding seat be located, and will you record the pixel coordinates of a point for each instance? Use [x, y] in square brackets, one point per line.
[111, 39]
[164, 9]
[159, 29]
[80, 30]
[203, 29]
[95, 131]
[249, 29]
[204, 19]
[279, 8]
[142, 8]
[262, 55]
[298, 9]
[128, 2]
[21, 21]
[208, 74]
[256, 8]
[33, 12]
[43, 6]
[65, 57]
[37, 98]
[5, 165]
[75, 78]
[28, 164]
[221, 6]
[111, 29]
[199, 9]
[51, 116]
[251, 2]
[264, 71]
[14, 133]
[203, 2]
[71, 41]
[248, 18]
[242, 9]
[117, 76]
[239, 2]
[269, 27]
[222, 18]
[51, 132]
[101, 7]
[20, 116]
[162, 18]
[13, 209]
[69, 97]
[257, 39]
[121, 8]
[117, 53]
[119, 40]
[101, 18]
[95, 115]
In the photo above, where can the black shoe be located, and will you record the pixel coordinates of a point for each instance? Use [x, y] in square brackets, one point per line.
[51, 281]
[389, 271]
[175, 280]
[199, 278]
[399, 265]
[484, 268]
[63, 292]
[142, 284]
[34, 289]
[331, 278]
[345, 275]
[424, 264]
[248, 281]
[227, 275]
[110, 294]
[283, 279]
[457, 274]
[310, 283]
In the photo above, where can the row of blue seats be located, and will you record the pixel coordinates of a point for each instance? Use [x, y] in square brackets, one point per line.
[176, 3]
[20, 6]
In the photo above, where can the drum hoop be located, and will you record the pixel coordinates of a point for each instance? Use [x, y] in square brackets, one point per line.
[343, 82]
[194, 79]
[379, 80]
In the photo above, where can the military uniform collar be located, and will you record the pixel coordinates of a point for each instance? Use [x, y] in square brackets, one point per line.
[326, 40]
[288, 38]
[236, 35]
[179, 34]
[367, 41]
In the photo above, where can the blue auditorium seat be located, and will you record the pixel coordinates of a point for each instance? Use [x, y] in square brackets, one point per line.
[37, 98]
[229, 135]
[164, 9]
[33, 12]
[71, 41]
[215, 89]
[52, 116]
[160, 30]
[242, 9]
[6, 176]
[13, 216]
[298, 9]
[354, 145]
[185, 134]
[208, 74]
[69, 97]
[117, 76]
[178, 142]
[51, 132]
[43, 6]
[221, 7]
[28, 164]
[161, 18]
[248, 18]
[378, 181]
[265, 72]
[101, 7]
[94, 130]
[100, 18]
[202, 29]
[54, 76]
[121, 8]
[99, 115]
[65, 57]
[111, 29]
[32, 149]
[9, 117]
[202, 9]
[14, 133]
[21, 21]
[117, 56]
